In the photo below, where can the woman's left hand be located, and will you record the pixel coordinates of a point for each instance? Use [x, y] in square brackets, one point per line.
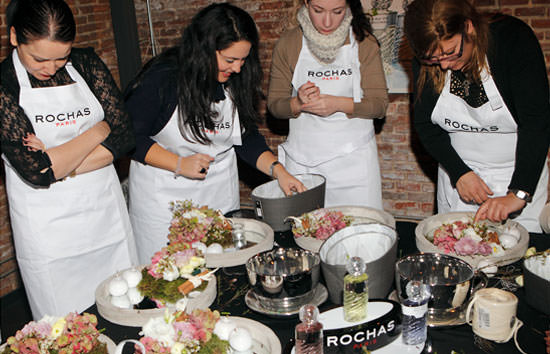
[32, 143]
[288, 183]
[497, 209]
[323, 105]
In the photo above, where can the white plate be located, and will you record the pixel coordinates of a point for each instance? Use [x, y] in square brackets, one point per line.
[320, 295]
[255, 231]
[361, 215]
[137, 318]
[431, 223]
[264, 339]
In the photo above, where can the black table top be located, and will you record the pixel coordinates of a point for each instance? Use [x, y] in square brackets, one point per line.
[233, 285]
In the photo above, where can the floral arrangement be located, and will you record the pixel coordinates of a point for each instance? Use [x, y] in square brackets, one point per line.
[62, 335]
[183, 333]
[320, 223]
[192, 224]
[466, 238]
[171, 267]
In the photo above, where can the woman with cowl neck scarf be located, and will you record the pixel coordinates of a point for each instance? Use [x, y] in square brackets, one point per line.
[327, 78]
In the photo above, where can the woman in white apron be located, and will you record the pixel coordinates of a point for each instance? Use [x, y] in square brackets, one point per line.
[327, 78]
[68, 216]
[482, 109]
[189, 108]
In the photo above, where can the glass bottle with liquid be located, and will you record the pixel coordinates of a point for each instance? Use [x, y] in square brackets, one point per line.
[309, 333]
[356, 291]
[414, 309]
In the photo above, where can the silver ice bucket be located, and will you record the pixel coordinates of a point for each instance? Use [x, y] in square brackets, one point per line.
[283, 279]
[451, 281]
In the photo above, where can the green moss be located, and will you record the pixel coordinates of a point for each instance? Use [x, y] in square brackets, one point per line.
[161, 289]
[215, 346]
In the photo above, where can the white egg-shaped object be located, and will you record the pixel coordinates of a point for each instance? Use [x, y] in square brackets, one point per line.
[512, 231]
[118, 286]
[240, 339]
[214, 248]
[224, 327]
[121, 301]
[132, 277]
[134, 296]
[507, 241]
[199, 246]
[487, 267]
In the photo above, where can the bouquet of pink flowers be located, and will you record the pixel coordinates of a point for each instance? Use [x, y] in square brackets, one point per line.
[320, 223]
[183, 333]
[62, 335]
[466, 238]
[198, 224]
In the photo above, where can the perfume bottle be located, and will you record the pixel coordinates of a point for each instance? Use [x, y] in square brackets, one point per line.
[356, 291]
[414, 309]
[309, 333]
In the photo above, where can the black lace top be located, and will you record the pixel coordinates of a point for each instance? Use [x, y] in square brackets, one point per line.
[471, 92]
[34, 166]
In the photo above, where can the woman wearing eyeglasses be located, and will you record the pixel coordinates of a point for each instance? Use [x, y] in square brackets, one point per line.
[481, 108]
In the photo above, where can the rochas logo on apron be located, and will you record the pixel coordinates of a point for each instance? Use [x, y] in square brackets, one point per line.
[468, 128]
[330, 74]
[62, 119]
[218, 127]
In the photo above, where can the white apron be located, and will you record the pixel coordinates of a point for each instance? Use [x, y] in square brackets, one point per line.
[337, 147]
[485, 138]
[152, 189]
[75, 233]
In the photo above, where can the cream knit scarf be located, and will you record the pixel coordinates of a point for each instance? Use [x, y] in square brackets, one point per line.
[324, 47]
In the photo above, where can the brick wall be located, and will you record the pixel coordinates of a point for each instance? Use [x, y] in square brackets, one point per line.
[408, 174]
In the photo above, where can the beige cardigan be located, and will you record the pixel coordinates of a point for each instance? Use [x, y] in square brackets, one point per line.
[285, 57]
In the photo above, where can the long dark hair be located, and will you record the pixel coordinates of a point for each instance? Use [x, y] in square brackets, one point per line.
[428, 22]
[360, 23]
[216, 27]
[38, 19]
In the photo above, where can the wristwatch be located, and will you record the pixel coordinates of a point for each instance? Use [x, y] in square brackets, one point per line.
[521, 194]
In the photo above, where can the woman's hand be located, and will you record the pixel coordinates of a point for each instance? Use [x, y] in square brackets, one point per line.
[288, 183]
[194, 166]
[32, 143]
[325, 105]
[472, 189]
[308, 92]
[497, 209]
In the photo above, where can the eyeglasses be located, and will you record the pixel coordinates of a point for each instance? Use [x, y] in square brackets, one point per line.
[437, 59]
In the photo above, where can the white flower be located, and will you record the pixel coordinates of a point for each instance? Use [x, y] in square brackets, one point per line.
[470, 232]
[159, 329]
[177, 348]
[196, 261]
[170, 272]
[51, 320]
[187, 269]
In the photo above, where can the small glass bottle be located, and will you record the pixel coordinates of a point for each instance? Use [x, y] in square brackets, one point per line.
[239, 238]
[309, 333]
[415, 309]
[356, 291]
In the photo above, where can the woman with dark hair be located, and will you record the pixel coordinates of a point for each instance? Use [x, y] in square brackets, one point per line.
[189, 107]
[327, 78]
[481, 109]
[63, 123]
